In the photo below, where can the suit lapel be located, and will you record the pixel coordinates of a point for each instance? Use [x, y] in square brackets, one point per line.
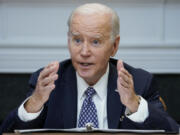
[70, 100]
[62, 106]
[114, 106]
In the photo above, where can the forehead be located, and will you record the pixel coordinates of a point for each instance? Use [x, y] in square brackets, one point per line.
[99, 24]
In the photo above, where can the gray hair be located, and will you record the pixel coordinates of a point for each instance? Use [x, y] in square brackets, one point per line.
[91, 8]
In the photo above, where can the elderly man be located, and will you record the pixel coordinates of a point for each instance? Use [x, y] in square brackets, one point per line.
[91, 87]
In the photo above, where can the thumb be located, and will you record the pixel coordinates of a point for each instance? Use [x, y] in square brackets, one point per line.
[120, 65]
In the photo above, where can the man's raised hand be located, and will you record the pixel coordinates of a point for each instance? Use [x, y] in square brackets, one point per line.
[125, 86]
[45, 85]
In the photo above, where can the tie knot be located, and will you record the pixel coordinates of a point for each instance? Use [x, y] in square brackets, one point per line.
[90, 92]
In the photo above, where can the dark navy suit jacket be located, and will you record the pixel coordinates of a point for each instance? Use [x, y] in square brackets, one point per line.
[61, 109]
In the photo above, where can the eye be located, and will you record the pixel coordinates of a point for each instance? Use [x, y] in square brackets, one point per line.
[96, 42]
[77, 40]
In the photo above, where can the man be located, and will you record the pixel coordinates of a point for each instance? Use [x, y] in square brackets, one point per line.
[91, 87]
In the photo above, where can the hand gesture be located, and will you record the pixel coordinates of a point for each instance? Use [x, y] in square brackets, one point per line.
[45, 85]
[125, 86]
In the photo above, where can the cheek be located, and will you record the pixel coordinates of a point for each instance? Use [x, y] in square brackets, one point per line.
[102, 59]
[104, 54]
[72, 50]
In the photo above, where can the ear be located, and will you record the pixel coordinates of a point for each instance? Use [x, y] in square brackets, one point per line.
[115, 45]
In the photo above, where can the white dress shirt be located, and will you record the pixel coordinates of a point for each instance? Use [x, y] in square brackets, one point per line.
[100, 100]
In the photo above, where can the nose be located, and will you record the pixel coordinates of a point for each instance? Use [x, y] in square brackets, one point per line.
[85, 50]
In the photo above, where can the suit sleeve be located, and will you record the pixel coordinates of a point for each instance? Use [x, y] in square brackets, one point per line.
[13, 122]
[158, 118]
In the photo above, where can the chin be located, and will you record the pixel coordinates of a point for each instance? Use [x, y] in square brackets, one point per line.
[85, 75]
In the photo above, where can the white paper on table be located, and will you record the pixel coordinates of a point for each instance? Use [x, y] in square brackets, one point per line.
[85, 130]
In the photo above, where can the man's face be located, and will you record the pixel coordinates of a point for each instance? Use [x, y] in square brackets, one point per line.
[90, 45]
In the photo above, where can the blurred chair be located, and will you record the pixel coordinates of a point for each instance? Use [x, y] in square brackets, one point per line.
[163, 103]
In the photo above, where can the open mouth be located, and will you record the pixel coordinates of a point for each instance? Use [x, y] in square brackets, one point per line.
[85, 64]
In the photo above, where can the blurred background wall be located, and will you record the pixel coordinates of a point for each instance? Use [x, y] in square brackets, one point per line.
[34, 32]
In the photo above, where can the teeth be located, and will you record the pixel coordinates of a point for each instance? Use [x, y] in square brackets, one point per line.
[85, 64]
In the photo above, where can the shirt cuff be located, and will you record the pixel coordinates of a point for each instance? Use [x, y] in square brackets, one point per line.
[24, 115]
[141, 114]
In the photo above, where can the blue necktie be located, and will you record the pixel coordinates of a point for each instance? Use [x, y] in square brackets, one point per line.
[88, 112]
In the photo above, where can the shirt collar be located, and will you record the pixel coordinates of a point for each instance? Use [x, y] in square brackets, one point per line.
[100, 87]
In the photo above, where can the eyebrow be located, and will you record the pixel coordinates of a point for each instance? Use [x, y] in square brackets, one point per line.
[78, 34]
[97, 36]
[74, 33]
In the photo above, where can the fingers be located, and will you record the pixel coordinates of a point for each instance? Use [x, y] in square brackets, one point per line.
[120, 65]
[125, 78]
[46, 81]
[49, 79]
[123, 83]
[49, 74]
[51, 69]
[125, 86]
[44, 87]
[49, 87]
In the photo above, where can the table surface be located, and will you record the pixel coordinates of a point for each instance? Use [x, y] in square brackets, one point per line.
[90, 133]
